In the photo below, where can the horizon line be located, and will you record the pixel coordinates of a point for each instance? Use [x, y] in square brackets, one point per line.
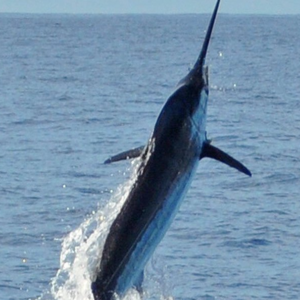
[151, 13]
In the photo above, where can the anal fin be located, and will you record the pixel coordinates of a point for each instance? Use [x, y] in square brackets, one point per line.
[132, 153]
[215, 153]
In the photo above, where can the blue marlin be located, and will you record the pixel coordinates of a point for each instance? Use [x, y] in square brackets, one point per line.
[168, 164]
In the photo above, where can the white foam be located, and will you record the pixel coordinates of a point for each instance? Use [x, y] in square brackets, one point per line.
[82, 248]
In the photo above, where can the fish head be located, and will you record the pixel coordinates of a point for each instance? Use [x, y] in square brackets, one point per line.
[196, 83]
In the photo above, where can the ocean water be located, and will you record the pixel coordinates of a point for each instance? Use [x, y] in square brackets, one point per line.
[75, 89]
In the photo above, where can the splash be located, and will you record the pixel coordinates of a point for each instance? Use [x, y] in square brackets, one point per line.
[82, 249]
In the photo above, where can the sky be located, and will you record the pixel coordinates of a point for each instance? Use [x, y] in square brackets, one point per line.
[150, 6]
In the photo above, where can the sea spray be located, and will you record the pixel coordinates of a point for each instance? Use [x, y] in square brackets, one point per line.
[82, 248]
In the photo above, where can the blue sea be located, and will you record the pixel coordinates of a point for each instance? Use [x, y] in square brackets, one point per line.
[76, 89]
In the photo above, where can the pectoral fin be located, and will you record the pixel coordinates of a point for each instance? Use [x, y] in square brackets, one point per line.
[215, 153]
[133, 153]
